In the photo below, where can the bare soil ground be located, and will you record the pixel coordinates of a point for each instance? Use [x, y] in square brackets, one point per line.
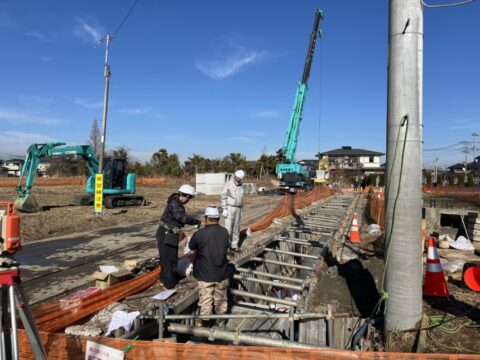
[454, 322]
[62, 217]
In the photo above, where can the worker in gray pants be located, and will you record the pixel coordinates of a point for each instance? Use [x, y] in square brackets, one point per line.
[232, 202]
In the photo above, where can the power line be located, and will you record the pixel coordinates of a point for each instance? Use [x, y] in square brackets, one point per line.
[443, 148]
[125, 18]
[446, 5]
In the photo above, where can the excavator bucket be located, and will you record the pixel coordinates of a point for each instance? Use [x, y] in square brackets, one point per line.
[26, 203]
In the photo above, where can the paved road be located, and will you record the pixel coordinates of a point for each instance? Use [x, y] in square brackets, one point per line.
[55, 266]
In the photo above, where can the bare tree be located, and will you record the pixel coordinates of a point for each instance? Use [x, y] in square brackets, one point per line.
[95, 137]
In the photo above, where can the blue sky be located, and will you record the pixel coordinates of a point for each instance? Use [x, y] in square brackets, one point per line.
[215, 77]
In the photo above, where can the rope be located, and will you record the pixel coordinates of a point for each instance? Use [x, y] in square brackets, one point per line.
[385, 295]
[439, 323]
[446, 5]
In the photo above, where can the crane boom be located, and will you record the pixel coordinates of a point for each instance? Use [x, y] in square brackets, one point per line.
[289, 168]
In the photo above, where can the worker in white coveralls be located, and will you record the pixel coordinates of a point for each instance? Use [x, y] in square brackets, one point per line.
[232, 202]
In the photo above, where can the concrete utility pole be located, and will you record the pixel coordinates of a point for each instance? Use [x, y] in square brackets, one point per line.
[105, 105]
[436, 172]
[465, 160]
[403, 216]
[474, 145]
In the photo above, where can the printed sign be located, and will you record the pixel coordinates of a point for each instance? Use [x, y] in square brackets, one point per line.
[98, 196]
[96, 351]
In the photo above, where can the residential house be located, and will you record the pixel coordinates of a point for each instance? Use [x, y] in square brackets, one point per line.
[13, 166]
[346, 158]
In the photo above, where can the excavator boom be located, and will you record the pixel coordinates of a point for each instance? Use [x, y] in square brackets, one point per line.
[116, 182]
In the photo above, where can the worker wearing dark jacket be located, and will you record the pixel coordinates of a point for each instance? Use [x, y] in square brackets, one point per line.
[210, 267]
[173, 219]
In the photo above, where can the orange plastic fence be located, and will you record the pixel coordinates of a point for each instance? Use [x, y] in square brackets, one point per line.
[12, 182]
[290, 203]
[63, 347]
[52, 317]
[471, 193]
[377, 206]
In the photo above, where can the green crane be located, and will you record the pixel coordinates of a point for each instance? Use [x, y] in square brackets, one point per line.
[291, 174]
[118, 186]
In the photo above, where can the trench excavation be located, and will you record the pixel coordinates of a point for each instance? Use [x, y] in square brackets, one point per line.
[270, 290]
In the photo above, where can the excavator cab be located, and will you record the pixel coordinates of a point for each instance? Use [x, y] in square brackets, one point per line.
[115, 173]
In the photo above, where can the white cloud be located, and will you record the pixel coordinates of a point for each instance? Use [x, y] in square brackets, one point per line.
[468, 124]
[46, 58]
[87, 104]
[7, 22]
[136, 111]
[228, 64]
[89, 32]
[17, 142]
[20, 117]
[241, 138]
[175, 137]
[39, 36]
[35, 99]
[266, 113]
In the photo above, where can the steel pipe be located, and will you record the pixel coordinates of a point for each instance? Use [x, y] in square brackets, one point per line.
[268, 282]
[303, 267]
[292, 253]
[272, 276]
[237, 338]
[298, 242]
[240, 316]
[263, 297]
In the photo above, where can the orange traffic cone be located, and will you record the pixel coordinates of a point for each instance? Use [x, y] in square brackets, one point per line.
[354, 233]
[434, 284]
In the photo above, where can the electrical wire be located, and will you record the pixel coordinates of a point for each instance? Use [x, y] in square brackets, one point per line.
[443, 148]
[125, 18]
[446, 5]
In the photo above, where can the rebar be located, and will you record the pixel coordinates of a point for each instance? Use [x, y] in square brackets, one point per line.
[263, 297]
[292, 253]
[272, 276]
[268, 282]
[303, 267]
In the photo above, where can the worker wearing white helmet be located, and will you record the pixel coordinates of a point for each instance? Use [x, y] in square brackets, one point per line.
[173, 219]
[210, 267]
[232, 202]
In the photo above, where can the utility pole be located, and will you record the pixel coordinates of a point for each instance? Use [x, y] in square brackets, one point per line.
[105, 104]
[474, 145]
[403, 213]
[475, 161]
[436, 173]
[465, 150]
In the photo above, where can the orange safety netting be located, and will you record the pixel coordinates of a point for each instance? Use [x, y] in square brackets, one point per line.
[377, 206]
[289, 204]
[470, 193]
[64, 347]
[52, 317]
[11, 182]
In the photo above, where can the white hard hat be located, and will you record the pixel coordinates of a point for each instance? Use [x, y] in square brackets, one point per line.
[212, 212]
[187, 189]
[240, 174]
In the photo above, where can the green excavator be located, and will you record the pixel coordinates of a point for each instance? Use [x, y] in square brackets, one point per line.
[119, 188]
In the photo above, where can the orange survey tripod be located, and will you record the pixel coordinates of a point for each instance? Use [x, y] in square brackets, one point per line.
[12, 300]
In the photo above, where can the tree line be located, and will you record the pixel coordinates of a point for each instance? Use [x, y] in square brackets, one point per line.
[163, 163]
